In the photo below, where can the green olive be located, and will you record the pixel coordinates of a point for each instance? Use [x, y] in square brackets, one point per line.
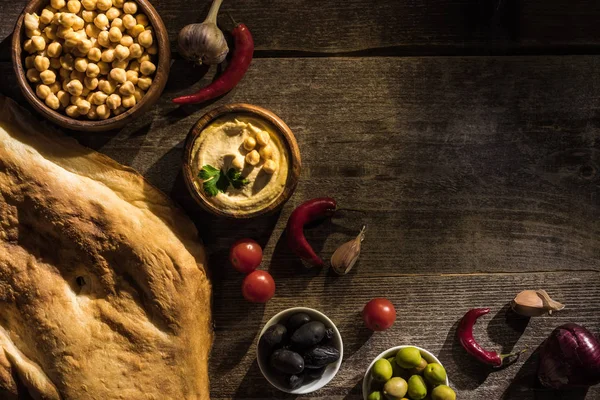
[435, 374]
[382, 370]
[417, 389]
[408, 357]
[418, 370]
[376, 395]
[443, 392]
[395, 388]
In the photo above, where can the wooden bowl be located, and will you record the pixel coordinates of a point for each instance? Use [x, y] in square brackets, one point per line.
[151, 96]
[286, 136]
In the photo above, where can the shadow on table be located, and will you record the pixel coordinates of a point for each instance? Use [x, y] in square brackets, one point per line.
[506, 327]
[255, 386]
[355, 393]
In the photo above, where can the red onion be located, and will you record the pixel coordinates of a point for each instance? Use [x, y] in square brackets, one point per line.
[570, 357]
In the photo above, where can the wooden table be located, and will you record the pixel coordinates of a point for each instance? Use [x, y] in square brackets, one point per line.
[467, 132]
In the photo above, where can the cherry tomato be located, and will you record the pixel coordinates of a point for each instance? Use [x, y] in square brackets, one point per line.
[258, 287]
[245, 255]
[379, 314]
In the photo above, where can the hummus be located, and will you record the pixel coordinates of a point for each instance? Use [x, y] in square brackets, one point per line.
[220, 145]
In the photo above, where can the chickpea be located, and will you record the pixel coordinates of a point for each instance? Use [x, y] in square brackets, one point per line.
[144, 57]
[152, 50]
[107, 86]
[83, 106]
[38, 43]
[74, 6]
[134, 66]
[64, 73]
[138, 94]
[92, 31]
[29, 61]
[92, 70]
[75, 87]
[41, 63]
[28, 46]
[103, 39]
[262, 138]
[72, 39]
[72, 111]
[144, 82]
[127, 89]
[147, 68]
[129, 7]
[88, 16]
[67, 61]
[99, 98]
[128, 101]
[84, 46]
[31, 21]
[126, 41]
[115, 34]
[50, 32]
[121, 52]
[253, 158]
[85, 91]
[249, 143]
[266, 152]
[104, 67]
[118, 3]
[55, 18]
[79, 24]
[118, 74]
[238, 163]
[101, 21]
[46, 16]
[64, 84]
[269, 167]
[54, 87]
[52, 101]
[103, 5]
[113, 101]
[55, 63]
[108, 55]
[54, 49]
[94, 54]
[62, 31]
[81, 64]
[58, 4]
[120, 64]
[31, 33]
[75, 99]
[145, 39]
[119, 110]
[89, 5]
[64, 98]
[42, 91]
[103, 111]
[90, 83]
[135, 51]
[67, 19]
[48, 77]
[92, 114]
[33, 75]
[136, 30]
[113, 13]
[142, 19]
[129, 21]
[132, 77]
[117, 23]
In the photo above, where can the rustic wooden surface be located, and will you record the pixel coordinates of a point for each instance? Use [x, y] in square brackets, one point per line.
[478, 177]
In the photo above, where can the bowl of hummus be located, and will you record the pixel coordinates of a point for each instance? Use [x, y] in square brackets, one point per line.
[241, 161]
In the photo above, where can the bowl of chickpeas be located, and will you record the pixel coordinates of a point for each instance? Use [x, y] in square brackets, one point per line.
[91, 65]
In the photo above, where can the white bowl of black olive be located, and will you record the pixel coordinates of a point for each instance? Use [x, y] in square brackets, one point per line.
[299, 350]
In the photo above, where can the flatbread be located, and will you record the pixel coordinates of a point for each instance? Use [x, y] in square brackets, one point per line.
[103, 287]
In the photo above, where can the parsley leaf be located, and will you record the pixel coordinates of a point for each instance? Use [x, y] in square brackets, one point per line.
[216, 181]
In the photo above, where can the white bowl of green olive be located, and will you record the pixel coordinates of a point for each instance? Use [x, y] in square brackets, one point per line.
[299, 350]
[406, 372]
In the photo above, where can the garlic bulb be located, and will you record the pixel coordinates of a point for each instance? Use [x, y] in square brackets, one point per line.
[533, 303]
[204, 43]
[344, 258]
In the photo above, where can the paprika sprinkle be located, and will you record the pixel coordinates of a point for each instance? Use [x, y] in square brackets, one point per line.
[240, 61]
[465, 335]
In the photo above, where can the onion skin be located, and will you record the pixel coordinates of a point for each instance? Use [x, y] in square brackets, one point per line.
[570, 358]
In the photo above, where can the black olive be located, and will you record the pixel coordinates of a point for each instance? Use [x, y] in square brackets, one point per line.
[296, 321]
[308, 335]
[287, 361]
[273, 338]
[320, 356]
[314, 373]
[294, 381]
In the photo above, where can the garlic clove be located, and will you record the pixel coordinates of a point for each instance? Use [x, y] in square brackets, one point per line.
[344, 258]
[534, 303]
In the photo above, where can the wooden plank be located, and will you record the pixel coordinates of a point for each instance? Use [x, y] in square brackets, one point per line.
[429, 309]
[460, 164]
[402, 27]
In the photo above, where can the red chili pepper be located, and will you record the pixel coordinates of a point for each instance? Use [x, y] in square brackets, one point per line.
[465, 335]
[305, 213]
[242, 57]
